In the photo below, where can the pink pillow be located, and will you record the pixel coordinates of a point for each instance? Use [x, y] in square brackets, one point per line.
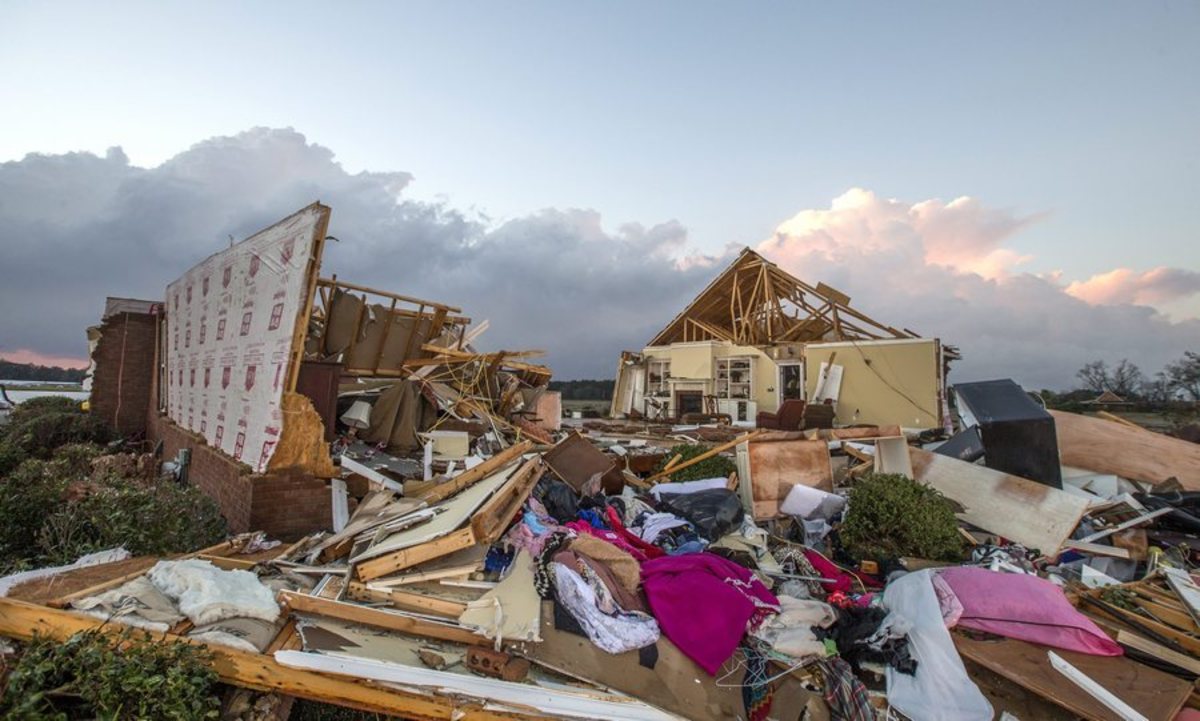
[1026, 608]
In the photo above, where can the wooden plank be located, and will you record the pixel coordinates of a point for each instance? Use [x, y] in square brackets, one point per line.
[66, 599]
[499, 511]
[1127, 524]
[469, 477]
[1030, 513]
[1134, 453]
[1094, 689]
[406, 600]
[704, 456]
[1152, 693]
[412, 625]
[1186, 589]
[254, 671]
[1096, 549]
[1159, 651]
[411, 556]
[312, 272]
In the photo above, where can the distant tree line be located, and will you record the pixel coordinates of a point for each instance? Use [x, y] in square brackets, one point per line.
[585, 390]
[1177, 385]
[11, 371]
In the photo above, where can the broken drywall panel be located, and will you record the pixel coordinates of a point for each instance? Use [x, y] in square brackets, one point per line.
[510, 611]
[451, 514]
[231, 326]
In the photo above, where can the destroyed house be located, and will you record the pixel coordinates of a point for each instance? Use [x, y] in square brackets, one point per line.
[757, 344]
[254, 365]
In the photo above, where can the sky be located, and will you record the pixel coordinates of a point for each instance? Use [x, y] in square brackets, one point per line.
[1019, 179]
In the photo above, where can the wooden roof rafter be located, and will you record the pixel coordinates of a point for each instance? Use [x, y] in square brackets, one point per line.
[754, 302]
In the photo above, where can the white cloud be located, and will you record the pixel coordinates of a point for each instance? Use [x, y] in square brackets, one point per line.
[941, 269]
[79, 227]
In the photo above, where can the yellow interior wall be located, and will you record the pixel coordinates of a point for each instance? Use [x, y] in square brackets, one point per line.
[692, 361]
[875, 393]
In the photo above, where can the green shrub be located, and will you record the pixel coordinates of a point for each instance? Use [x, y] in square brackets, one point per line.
[146, 519]
[27, 495]
[10, 457]
[41, 405]
[123, 676]
[40, 435]
[714, 467]
[891, 515]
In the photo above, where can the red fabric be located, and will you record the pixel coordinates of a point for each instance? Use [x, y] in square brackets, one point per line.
[704, 604]
[1025, 607]
[614, 522]
[620, 538]
[842, 580]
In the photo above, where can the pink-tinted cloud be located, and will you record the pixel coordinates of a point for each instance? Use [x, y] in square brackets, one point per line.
[1124, 285]
[24, 355]
[942, 269]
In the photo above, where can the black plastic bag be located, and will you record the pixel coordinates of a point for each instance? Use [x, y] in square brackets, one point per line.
[560, 500]
[714, 512]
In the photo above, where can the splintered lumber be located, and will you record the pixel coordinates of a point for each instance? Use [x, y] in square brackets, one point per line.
[406, 600]
[471, 476]
[254, 671]
[1151, 693]
[704, 456]
[487, 520]
[1159, 651]
[392, 621]
[1127, 524]
[1030, 513]
[1138, 454]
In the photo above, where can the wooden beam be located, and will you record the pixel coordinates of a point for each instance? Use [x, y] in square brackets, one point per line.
[334, 283]
[411, 556]
[407, 600]
[471, 476]
[704, 456]
[495, 515]
[254, 671]
[354, 613]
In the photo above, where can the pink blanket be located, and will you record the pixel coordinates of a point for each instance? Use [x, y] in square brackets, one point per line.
[1026, 608]
[704, 604]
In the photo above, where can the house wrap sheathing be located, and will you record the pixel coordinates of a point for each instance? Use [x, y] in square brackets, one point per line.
[756, 336]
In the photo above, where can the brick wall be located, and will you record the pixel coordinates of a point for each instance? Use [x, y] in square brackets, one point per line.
[285, 505]
[124, 374]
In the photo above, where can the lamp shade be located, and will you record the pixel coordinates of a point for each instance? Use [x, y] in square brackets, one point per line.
[359, 415]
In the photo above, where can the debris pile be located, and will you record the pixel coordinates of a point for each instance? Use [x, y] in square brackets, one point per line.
[824, 560]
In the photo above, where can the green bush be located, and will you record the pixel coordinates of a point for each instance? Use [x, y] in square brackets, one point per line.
[10, 457]
[27, 495]
[891, 515]
[101, 676]
[147, 520]
[39, 435]
[714, 467]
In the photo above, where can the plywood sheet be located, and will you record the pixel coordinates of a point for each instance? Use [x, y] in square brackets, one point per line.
[1025, 511]
[777, 466]
[1134, 453]
[230, 327]
[1155, 694]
